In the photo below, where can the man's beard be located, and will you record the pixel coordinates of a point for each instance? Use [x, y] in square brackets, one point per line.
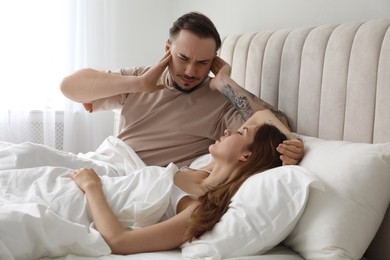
[183, 90]
[177, 86]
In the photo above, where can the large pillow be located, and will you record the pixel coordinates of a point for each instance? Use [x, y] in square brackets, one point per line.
[341, 221]
[262, 213]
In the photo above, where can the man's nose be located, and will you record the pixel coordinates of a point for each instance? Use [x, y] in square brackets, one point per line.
[190, 70]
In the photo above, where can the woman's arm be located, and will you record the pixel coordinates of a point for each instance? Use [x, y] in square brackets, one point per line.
[165, 235]
[87, 85]
[161, 236]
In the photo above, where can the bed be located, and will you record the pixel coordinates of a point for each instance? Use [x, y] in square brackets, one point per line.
[333, 82]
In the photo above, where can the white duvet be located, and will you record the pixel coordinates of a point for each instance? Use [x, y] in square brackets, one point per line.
[44, 213]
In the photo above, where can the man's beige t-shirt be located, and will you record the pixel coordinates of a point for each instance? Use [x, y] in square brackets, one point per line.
[168, 125]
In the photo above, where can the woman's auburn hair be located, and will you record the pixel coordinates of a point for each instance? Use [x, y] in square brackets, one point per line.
[214, 203]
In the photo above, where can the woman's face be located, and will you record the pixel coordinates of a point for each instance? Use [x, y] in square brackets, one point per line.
[191, 59]
[233, 145]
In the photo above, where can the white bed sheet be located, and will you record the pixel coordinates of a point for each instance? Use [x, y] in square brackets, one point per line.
[44, 213]
[277, 253]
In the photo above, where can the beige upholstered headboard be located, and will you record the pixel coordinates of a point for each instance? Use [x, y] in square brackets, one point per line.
[332, 81]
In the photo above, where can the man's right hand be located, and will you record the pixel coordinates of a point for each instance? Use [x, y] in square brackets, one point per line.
[150, 78]
[87, 85]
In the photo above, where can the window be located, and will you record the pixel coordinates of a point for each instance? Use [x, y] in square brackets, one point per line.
[34, 53]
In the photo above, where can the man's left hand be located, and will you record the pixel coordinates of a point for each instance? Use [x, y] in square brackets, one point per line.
[292, 151]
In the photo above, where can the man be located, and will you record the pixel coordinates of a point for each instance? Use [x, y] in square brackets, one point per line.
[173, 111]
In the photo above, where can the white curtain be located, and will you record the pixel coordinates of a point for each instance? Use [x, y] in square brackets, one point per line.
[42, 42]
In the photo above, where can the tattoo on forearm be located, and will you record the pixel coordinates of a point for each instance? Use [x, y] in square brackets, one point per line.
[241, 103]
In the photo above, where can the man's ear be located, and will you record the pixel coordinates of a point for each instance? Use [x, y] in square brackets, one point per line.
[167, 45]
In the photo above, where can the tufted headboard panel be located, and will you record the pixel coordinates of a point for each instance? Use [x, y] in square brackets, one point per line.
[332, 81]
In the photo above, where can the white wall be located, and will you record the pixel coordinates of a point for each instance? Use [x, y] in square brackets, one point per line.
[234, 16]
[137, 31]
[141, 27]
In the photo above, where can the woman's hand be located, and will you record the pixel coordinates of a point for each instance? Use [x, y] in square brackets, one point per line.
[150, 78]
[86, 178]
[292, 151]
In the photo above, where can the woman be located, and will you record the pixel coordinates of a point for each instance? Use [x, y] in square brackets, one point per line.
[205, 193]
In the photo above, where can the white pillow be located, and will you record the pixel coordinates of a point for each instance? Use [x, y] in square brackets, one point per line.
[262, 213]
[340, 222]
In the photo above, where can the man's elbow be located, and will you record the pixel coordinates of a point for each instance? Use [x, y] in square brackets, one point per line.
[65, 86]
[70, 87]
